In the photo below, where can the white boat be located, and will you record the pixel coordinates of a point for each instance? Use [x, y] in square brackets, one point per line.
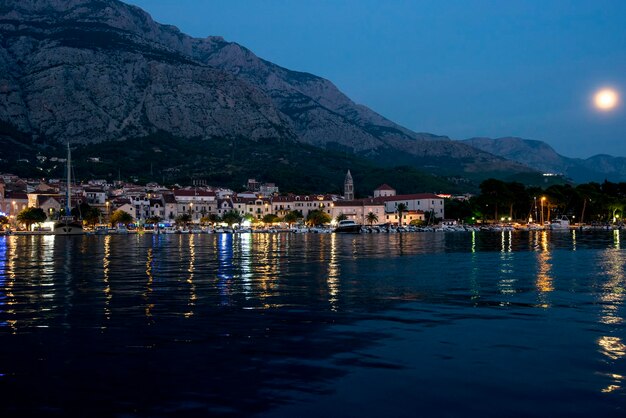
[347, 226]
[67, 225]
[561, 224]
[101, 230]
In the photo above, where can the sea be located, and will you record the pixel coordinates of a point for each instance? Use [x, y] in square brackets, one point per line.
[432, 324]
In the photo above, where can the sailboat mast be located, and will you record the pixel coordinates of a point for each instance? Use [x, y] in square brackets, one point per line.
[69, 185]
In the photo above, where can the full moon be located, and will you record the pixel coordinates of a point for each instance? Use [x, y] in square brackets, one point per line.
[605, 99]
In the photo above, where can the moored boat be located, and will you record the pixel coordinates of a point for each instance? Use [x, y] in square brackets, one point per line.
[347, 226]
[68, 225]
[561, 224]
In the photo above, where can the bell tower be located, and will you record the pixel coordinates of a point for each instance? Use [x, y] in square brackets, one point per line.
[348, 187]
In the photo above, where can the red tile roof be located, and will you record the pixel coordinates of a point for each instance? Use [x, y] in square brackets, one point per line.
[193, 193]
[400, 197]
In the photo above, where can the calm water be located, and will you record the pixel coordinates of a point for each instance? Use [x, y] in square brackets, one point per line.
[430, 324]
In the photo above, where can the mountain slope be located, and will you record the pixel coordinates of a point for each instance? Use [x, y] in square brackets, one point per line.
[542, 157]
[96, 70]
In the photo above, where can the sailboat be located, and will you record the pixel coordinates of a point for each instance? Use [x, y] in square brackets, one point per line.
[67, 225]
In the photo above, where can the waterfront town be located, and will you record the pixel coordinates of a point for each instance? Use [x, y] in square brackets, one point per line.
[261, 204]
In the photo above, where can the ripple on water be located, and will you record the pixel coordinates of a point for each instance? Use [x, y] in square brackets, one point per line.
[295, 325]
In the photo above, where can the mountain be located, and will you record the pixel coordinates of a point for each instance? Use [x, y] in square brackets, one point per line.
[88, 71]
[542, 157]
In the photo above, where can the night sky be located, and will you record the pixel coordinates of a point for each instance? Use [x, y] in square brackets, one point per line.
[455, 68]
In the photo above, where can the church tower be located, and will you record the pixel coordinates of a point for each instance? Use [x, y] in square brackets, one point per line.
[348, 187]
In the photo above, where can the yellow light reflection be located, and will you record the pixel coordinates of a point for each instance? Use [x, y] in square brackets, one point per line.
[11, 243]
[544, 280]
[612, 347]
[613, 293]
[473, 241]
[148, 292]
[616, 383]
[333, 275]
[192, 287]
[106, 263]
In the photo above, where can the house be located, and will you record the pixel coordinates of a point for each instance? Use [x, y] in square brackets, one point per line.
[384, 190]
[256, 207]
[157, 208]
[308, 203]
[425, 202]
[197, 203]
[358, 210]
[282, 205]
[51, 204]
[170, 207]
[95, 196]
[14, 203]
[223, 206]
[407, 217]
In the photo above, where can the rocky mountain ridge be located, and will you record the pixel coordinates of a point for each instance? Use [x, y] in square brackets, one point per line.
[96, 70]
[543, 157]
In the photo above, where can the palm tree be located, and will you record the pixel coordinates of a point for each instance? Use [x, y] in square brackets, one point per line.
[183, 219]
[121, 217]
[270, 218]
[371, 218]
[341, 217]
[292, 217]
[401, 208]
[31, 216]
[232, 217]
[318, 217]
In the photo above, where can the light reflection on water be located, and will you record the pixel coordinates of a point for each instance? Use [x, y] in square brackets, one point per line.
[276, 304]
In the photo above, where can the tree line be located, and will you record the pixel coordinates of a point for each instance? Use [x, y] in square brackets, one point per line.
[503, 201]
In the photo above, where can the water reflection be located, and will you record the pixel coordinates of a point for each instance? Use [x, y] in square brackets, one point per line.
[11, 261]
[106, 263]
[240, 312]
[544, 270]
[507, 281]
[146, 294]
[613, 289]
[192, 287]
[246, 265]
[225, 267]
[3, 279]
[612, 347]
[333, 274]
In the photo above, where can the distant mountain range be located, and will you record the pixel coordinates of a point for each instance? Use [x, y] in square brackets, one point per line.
[88, 71]
[542, 157]
[92, 71]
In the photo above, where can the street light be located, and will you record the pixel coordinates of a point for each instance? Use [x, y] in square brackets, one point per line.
[543, 198]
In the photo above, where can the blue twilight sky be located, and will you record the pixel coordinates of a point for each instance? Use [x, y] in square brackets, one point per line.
[457, 68]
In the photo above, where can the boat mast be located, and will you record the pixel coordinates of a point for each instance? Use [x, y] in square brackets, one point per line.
[69, 186]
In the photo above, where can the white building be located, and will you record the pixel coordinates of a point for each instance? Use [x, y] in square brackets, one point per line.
[384, 190]
[425, 202]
